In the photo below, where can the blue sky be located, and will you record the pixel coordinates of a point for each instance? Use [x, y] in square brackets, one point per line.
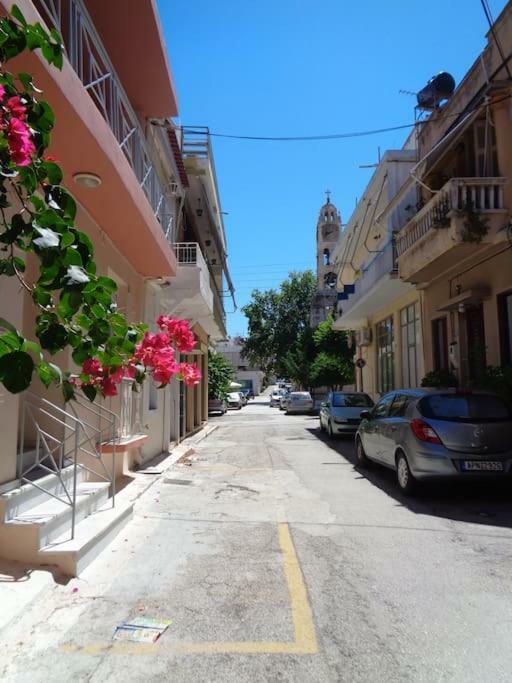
[297, 67]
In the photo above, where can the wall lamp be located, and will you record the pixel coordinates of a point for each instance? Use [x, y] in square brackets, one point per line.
[90, 180]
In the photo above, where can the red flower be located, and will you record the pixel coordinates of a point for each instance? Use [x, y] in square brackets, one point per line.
[21, 146]
[190, 373]
[108, 386]
[179, 331]
[92, 367]
[16, 107]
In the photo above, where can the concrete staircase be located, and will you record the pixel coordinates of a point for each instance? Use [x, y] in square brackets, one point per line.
[35, 525]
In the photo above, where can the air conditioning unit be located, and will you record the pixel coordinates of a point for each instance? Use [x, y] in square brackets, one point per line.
[364, 336]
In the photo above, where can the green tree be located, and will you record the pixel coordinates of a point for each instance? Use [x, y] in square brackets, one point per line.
[220, 374]
[276, 319]
[297, 362]
[333, 365]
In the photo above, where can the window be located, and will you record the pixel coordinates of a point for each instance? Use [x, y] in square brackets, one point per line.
[410, 334]
[440, 344]
[399, 405]
[465, 408]
[351, 401]
[381, 409]
[385, 355]
[327, 257]
[505, 318]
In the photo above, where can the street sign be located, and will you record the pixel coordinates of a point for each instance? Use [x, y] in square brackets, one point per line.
[360, 363]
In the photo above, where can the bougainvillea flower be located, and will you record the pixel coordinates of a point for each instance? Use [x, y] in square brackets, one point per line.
[20, 142]
[16, 107]
[92, 367]
[190, 373]
[179, 331]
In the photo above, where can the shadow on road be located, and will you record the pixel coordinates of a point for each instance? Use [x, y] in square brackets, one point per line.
[477, 502]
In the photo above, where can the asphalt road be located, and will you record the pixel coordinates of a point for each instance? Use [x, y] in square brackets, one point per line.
[277, 560]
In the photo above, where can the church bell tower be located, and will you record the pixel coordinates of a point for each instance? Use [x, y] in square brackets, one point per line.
[328, 229]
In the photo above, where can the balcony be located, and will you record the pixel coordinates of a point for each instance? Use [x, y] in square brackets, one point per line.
[377, 285]
[190, 294]
[436, 239]
[98, 131]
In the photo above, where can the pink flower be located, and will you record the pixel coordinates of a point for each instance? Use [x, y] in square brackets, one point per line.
[179, 331]
[2, 92]
[108, 386]
[16, 107]
[92, 367]
[190, 373]
[21, 146]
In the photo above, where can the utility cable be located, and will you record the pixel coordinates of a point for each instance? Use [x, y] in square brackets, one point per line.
[487, 12]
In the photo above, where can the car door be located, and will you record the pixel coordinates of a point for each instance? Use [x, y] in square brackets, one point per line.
[374, 427]
[392, 427]
[324, 410]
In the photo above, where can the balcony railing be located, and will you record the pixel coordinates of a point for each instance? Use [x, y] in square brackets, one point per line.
[484, 195]
[90, 60]
[190, 254]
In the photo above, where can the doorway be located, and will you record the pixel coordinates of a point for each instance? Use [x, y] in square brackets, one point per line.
[475, 334]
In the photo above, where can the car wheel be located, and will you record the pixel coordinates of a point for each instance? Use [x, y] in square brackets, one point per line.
[404, 476]
[362, 459]
[330, 430]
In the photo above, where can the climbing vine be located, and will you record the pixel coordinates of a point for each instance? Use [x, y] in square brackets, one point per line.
[75, 306]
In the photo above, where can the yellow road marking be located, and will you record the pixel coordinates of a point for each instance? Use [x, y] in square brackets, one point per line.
[305, 636]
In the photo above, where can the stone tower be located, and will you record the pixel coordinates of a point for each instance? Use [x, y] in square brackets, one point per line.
[328, 229]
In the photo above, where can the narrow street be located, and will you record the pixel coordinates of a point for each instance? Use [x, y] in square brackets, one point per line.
[276, 559]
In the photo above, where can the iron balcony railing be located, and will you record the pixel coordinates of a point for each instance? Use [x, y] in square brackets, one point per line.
[90, 60]
[484, 195]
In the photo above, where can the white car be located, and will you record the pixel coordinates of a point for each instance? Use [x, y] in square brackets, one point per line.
[299, 402]
[275, 398]
[234, 401]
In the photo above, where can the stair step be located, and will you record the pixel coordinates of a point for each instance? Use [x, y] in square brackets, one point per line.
[28, 496]
[52, 518]
[92, 535]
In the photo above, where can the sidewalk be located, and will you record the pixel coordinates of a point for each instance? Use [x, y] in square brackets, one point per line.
[22, 584]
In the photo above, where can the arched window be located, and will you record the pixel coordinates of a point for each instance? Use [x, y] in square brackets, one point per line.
[327, 257]
[330, 280]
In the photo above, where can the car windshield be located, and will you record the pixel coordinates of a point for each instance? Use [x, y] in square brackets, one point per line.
[301, 394]
[465, 408]
[351, 401]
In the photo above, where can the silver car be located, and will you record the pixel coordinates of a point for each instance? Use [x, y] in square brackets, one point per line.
[299, 402]
[275, 397]
[340, 413]
[423, 433]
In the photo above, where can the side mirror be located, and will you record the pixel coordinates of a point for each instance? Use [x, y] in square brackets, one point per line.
[365, 414]
[323, 404]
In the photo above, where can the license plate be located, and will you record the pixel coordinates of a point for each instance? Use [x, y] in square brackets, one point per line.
[482, 466]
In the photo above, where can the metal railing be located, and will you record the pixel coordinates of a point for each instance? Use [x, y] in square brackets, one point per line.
[60, 436]
[484, 195]
[189, 254]
[90, 60]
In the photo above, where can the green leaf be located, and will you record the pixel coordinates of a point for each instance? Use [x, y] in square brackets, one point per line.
[27, 82]
[68, 390]
[19, 263]
[16, 370]
[53, 338]
[66, 240]
[41, 297]
[83, 352]
[83, 320]
[18, 14]
[107, 283]
[99, 311]
[72, 257]
[45, 374]
[89, 391]
[32, 347]
[119, 324]
[53, 172]
[10, 341]
[69, 303]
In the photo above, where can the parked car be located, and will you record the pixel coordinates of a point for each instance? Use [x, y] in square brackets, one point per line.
[340, 412]
[275, 397]
[243, 397]
[234, 400]
[283, 403]
[217, 405]
[299, 402]
[423, 433]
